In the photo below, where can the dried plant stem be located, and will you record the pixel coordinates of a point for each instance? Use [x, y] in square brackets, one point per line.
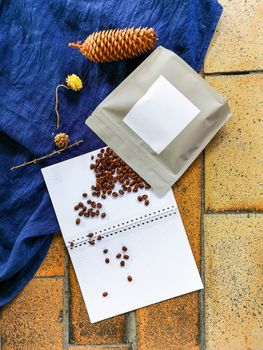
[57, 112]
[34, 161]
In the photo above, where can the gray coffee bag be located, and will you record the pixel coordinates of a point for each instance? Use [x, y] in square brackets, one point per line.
[160, 160]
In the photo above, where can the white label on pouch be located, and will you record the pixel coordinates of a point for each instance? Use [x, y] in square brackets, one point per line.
[161, 114]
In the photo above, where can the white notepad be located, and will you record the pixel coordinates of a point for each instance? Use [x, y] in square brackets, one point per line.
[160, 261]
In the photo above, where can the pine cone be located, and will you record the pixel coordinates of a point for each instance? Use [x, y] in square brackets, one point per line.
[61, 140]
[117, 44]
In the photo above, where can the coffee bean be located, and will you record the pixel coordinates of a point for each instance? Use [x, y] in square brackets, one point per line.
[71, 244]
[103, 215]
[103, 196]
[124, 248]
[144, 196]
[93, 204]
[78, 221]
[139, 198]
[94, 194]
[99, 238]
[91, 234]
[92, 166]
[92, 157]
[129, 278]
[147, 202]
[88, 201]
[107, 260]
[97, 212]
[118, 256]
[81, 213]
[105, 251]
[121, 192]
[109, 192]
[126, 257]
[91, 242]
[105, 294]
[99, 205]
[129, 189]
[135, 189]
[87, 214]
[80, 204]
[92, 214]
[122, 263]
[115, 194]
[84, 195]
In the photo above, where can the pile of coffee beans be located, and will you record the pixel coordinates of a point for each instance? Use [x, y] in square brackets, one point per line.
[90, 209]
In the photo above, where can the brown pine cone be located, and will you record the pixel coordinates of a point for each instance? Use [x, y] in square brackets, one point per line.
[61, 140]
[117, 44]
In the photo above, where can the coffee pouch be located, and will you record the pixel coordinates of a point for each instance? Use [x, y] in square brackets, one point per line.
[160, 118]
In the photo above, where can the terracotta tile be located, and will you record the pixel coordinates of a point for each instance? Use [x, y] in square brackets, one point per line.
[53, 264]
[90, 347]
[233, 180]
[33, 320]
[173, 324]
[234, 284]
[110, 331]
[238, 41]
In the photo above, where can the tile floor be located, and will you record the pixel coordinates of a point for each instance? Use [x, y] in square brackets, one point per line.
[221, 202]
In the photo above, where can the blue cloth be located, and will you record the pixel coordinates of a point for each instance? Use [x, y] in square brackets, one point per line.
[34, 59]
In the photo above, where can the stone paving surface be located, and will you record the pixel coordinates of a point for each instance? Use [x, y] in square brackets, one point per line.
[221, 202]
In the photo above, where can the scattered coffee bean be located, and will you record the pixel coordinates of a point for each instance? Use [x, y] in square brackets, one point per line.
[121, 192]
[103, 215]
[76, 207]
[90, 234]
[135, 189]
[129, 278]
[80, 204]
[81, 213]
[118, 256]
[92, 214]
[99, 238]
[87, 214]
[91, 242]
[114, 194]
[97, 212]
[109, 192]
[84, 195]
[124, 248]
[144, 196]
[103, 196]
[147, 202]
[92, 157]
[139, 198]
[93, 204]
[105, 251]
[122, 263]
[104, 294]
[99, 205]
[78, 221]
[107, 260]
[88, 201]
[126, 257]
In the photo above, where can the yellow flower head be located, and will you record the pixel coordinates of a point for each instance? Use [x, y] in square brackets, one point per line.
[74, 82]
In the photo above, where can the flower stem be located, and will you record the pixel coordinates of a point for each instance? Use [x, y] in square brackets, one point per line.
[56, 108]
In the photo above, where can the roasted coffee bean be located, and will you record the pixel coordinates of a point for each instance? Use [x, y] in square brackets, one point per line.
[124, 248]
[81, 213]
[92, 214]
[129, 278]
[139, 198]
[118, 256]
[76, 207]
[107, 260]
[147, 202]
[92, 166]
[109, 192]
[99, 238]
[87, 214]
[135, 189]
[93, 204]
[105, 251]
[115, 194]
[122, 263]
[97, 212]
[121, 192]
[99, 205]
[91, 242]
[92, 157]
[126, 257]
[129, 189]
[102, 150]
[105, 294]
[141, 185]
[84, 208]
[103, 196]
[103, 215]
[80, 204]
[147, 186]
[84, 195]
[88, 201]
[91, 234]
[94, 194]
[144, 196]
[78, 221]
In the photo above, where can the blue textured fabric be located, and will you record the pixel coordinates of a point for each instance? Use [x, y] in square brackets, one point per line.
[34, 59]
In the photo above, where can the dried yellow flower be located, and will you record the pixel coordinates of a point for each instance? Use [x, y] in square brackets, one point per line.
[61, 140]
[74, 82]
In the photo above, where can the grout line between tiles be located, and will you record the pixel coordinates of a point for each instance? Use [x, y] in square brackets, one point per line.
[66, 303]
[48, 277]
[246, 72]
[130, 330]
[96, 346]
[231, 212]
[202, 263]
